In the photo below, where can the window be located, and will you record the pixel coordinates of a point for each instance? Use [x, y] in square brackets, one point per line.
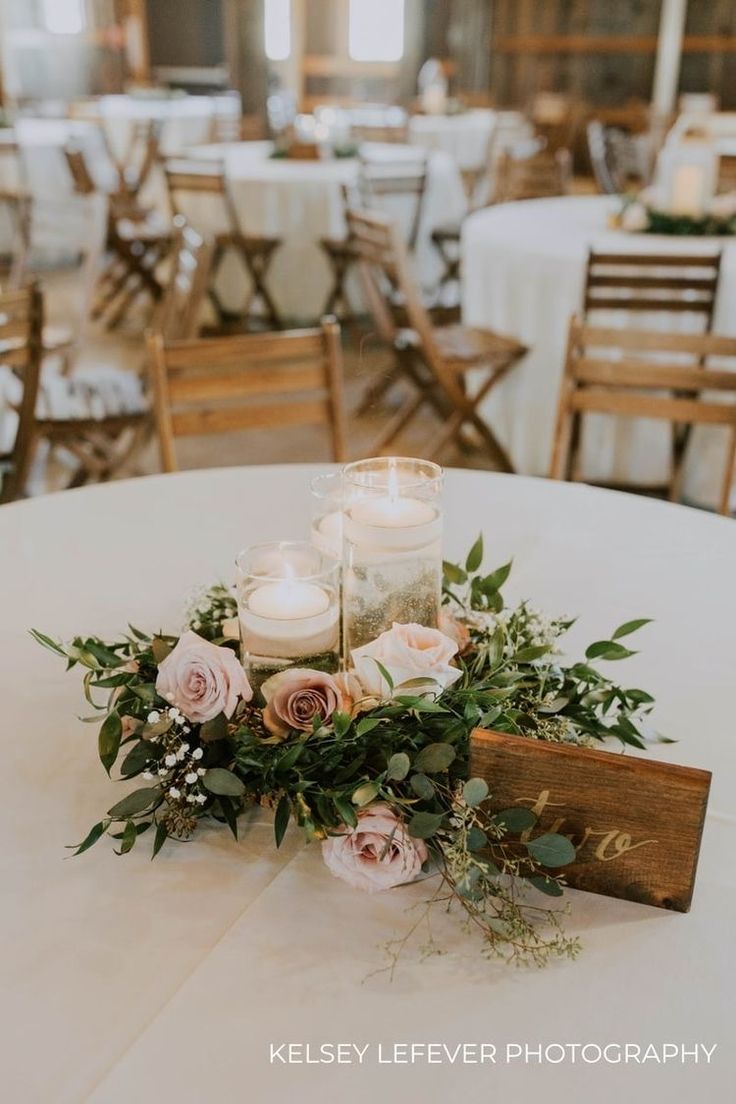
[64, 16]
[278, 29]
[376, 30]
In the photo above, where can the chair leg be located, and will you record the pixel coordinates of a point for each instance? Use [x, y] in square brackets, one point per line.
[14, 484]
[258, 265]
[400, 420]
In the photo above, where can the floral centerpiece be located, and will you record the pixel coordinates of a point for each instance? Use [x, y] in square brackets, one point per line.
[644, 213]
[372, 762]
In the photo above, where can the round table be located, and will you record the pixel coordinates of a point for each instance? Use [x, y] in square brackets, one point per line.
[122, 974]
[301, 202]
[464, 136]
[186, 120]
[523, 274]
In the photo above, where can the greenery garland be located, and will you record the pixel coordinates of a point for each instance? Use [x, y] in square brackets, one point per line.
[401, 755]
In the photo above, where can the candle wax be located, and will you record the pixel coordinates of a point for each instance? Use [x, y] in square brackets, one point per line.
[392, 512]
[289, 600]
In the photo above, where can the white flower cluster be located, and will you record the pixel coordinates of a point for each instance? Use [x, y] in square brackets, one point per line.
[180, 758]
[524, 627]
[209, 606]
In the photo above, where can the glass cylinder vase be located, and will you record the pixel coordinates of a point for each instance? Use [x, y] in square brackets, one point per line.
[392, 551]
[326, 500]
[289, 608]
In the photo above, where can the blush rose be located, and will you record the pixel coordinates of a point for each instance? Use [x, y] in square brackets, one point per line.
[377, 854]
[201, 679]
[407, 652]
[296, 696]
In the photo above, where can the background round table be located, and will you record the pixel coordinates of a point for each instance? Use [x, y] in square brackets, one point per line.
[464, 136]
[523, 274]
[125, 979]
[301, 202]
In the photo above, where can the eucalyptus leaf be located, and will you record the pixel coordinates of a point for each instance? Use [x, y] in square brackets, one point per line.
[475, 556]
[546, 885]
[281, 820]
[607, 649]
[216, 729]
[398, 767]
[551, 850]
[129, 837]
[517, 819]
[159, 840]
[218, 781]
[425, 825]
[434, 758]
[91, 838]
[366, 725]
[475, 791]
[422, 786]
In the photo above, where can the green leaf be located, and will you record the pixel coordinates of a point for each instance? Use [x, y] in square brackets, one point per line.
[551, 850]
[365, 794]
[477, 839]
[424, 825]
[47, 642]
[91, 838]
[216, 729]
[515, 820]
[281, 820]
[289, 758]
[385, 675]
[161, 649]
[545, 885]
[104, 656]
[138, 757]
[422, 786]
[159, 840]
[366, 725]
[607, 649]
[475, 791]
[434, 758]
[475, 556]
[453, 574]
[229, 813]
[129, 837]
[220, 781]
[136, 802]
[526, 655]
[340, 722]
[346, 812]
[109, 740]
[497, 578]
[630, 627]
[398, 766]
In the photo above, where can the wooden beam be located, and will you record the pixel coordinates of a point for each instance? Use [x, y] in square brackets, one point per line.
[608, 44]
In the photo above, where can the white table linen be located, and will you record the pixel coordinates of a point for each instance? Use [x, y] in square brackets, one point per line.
[465, 136]
[523, 274]
[122, 979]
[301, 202]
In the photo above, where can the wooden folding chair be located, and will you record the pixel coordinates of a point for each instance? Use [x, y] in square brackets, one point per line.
[189, 181]
[99, 416]
[623, 372]
[435, 360]
[248, 382]
[138, 241]
[178, 314]
[16, 212]
[533, 175]
[726, 173]
[670, 284]
[378, 180]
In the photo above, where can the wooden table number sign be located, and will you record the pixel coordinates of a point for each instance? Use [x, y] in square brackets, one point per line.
[636, 823]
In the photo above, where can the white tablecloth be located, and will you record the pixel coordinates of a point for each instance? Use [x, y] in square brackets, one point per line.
[523, 274]
[187, 120]
[301, 202]
[465, 137]
[39, 169]
[124, 980]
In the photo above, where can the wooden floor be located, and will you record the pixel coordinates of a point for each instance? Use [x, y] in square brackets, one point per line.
[364, 358]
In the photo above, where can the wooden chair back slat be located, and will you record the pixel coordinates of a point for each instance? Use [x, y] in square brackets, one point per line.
[613, 382]
[670, 283]
[177, 316]
[21, 316]
[381, 180]
[533, 176]
[208, 386]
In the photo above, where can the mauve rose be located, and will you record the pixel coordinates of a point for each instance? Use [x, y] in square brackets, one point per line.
[377, 854]
[407, 652]
[201, 679]
[296, 696]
